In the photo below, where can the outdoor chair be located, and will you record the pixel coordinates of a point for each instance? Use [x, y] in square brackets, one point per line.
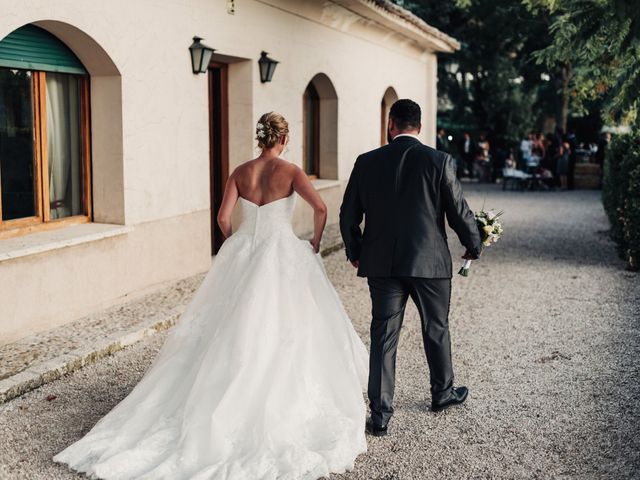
[517, 179]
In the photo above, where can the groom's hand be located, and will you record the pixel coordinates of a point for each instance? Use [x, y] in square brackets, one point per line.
[468, 256]
[355, 263]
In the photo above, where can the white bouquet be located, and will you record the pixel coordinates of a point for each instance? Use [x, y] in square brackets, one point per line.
[491, 231]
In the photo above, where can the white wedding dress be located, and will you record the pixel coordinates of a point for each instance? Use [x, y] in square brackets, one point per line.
[261, 378]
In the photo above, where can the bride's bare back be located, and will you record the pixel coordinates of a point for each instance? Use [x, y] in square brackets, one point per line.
[269, 178]
[263, 181]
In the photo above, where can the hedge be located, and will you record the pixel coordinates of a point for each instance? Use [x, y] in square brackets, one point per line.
[621, 195]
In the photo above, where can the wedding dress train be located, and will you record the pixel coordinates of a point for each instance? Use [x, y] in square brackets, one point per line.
[261, 378]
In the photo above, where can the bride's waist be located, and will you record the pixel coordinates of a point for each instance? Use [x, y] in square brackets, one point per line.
[264, 229]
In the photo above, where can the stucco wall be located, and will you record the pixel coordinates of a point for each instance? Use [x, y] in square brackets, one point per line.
[150, 121]
[49, 289]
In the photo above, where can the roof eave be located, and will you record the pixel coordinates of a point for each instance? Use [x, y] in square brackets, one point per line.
[404, 22]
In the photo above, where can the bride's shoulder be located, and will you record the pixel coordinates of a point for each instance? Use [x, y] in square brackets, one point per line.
[244, 168]
[240, 168]
[284, 166]
[282, 162]
[285, 172]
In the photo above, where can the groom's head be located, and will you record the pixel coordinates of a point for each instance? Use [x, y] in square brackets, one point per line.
[404, 117]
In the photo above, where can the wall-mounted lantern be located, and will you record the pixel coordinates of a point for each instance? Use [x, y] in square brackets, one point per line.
[200, 55]
[267, 67]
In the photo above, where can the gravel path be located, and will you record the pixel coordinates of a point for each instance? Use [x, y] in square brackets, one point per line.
[545, 334]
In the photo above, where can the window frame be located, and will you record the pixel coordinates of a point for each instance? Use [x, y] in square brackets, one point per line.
[42, 220]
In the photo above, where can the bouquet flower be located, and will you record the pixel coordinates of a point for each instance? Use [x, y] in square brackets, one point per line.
[490, 229]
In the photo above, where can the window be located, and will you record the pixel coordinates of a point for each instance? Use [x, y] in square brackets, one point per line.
[44, 133]
[311, 131]
[320, 140]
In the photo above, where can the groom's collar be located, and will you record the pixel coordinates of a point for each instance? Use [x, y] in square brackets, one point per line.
[405, 137]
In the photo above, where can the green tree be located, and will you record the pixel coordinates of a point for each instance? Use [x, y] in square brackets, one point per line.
[493, 82]
[601, 40]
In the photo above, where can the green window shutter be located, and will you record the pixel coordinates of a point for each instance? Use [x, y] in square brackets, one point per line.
[32, 48]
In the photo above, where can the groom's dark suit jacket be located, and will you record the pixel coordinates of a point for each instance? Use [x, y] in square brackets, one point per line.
[404, 190]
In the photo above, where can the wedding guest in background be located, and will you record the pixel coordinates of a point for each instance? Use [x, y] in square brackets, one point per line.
[442, 143]
[510, 161]
[549, 161]
[538, 147]
[499, 157]
[525, 150]
[540, 150]
[573, 146]
[558, 139]
[562, 168]
[533, 162]
[482, 159]
[467, 149]
[559, 134]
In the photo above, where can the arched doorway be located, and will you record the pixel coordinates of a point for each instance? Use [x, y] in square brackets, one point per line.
[320, 124]
[388, 99]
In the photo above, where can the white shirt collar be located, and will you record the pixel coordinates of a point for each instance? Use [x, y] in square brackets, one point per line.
[406, 135]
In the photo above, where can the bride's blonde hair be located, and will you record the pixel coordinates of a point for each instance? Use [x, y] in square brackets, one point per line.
[270, 127]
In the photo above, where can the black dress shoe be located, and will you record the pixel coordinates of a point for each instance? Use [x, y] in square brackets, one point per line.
[458, 396]
[375, 430]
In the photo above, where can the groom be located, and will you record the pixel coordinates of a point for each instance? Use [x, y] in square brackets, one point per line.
[404, 190]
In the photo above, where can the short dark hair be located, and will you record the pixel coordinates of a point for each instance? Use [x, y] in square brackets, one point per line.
[406, 114]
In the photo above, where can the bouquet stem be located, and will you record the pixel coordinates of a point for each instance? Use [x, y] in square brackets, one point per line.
[464, 271]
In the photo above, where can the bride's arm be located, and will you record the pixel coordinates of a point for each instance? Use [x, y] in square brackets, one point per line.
[302, 185]
[229, 200]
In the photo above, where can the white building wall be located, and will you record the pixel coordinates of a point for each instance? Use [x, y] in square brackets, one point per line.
[154, 160]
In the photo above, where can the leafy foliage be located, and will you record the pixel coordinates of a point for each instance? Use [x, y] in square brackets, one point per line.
[631, 227]
[601, 38]
[615, 178]
[493, 84]
[621, 195]
[523, 61]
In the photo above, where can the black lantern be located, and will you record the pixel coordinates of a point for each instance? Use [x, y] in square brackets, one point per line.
[267, 67]
[200, 55]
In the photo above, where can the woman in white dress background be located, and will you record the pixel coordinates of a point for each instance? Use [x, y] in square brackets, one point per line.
[262, 377]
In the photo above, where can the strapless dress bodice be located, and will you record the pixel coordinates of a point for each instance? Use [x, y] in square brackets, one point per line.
[262, 221]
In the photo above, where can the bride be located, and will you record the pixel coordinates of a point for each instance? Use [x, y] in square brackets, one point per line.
[262, 377]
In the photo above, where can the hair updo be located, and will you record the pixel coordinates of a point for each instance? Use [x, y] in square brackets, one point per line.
[270, 128]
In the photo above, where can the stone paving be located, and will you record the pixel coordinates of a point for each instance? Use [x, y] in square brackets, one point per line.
[42, 347]
[544, 332]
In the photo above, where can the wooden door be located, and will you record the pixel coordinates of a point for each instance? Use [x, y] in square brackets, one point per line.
[218, 145]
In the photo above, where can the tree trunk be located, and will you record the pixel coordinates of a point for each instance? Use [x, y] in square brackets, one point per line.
[563, 111]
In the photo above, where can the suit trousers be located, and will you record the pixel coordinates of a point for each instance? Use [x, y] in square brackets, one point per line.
[389, 297]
